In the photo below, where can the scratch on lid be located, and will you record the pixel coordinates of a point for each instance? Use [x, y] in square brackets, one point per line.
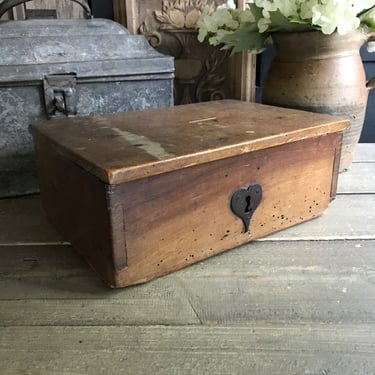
[152, 148]
[203, 120]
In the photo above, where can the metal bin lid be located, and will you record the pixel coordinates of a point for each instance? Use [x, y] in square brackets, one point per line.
[90, 48]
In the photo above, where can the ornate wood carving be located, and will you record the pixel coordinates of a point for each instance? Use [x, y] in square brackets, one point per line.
[202, 72]
[199, 74]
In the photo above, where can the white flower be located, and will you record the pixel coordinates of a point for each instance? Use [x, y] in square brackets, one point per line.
[263, 24]
[334, 15]
[224, 18]
[371, 47]
[246, 17]
[229, 4]
[263, 17]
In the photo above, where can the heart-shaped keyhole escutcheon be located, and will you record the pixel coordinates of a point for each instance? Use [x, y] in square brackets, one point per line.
[244, 202]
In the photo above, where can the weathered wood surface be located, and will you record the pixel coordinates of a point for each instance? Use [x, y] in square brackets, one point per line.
[360, 179]
[297, 281]
[258, 349]
[269, 307]
[148, 222]
[23, 221]
[365, 152]
[121, 147]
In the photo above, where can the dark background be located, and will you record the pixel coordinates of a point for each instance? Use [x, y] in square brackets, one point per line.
[104, 9]
[368, 132]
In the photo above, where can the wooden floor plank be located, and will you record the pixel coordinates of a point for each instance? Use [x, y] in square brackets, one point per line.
[52, 285]
[62, 273]
[360, 179]
[364, 152]
[262, 349]
[310, 281]
[163, 307]
[22, 220]
[285, 282]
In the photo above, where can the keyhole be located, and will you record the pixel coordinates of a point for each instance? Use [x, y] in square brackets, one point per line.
[244, 202]
[248, 200]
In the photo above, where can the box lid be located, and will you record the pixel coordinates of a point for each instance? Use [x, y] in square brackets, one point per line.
[89, 48]
[121, 147]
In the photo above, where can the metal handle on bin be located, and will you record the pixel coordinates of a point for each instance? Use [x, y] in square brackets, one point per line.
[9, 4]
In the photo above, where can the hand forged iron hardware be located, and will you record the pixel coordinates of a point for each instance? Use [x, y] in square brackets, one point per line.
[244, 202]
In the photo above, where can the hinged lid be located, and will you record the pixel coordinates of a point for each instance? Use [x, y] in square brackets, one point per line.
[122, 147]
[31, 49]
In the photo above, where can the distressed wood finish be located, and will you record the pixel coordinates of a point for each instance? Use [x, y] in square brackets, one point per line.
[29, 225]
[168, 176]
[121, 147]
[190, 350]
[268, 307]
[298, 281]
[177, 219]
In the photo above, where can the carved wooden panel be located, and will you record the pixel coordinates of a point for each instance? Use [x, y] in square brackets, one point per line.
[202, 72]
[64, 9]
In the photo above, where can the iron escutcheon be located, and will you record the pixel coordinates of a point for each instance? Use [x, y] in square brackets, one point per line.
[244, 202]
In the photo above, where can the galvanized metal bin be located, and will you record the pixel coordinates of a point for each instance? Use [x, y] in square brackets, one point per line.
[52, 68]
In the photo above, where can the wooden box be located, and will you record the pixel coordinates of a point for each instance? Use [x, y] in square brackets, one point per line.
[144, 193]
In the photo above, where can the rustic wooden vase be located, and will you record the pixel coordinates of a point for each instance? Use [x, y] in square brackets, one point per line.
[321, 73]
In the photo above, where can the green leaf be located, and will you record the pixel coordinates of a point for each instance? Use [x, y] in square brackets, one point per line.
[364, 11]
[299, 25]
[298, 20]
[368, 18]
[256, 11]
[245, 39]
[290, 24]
